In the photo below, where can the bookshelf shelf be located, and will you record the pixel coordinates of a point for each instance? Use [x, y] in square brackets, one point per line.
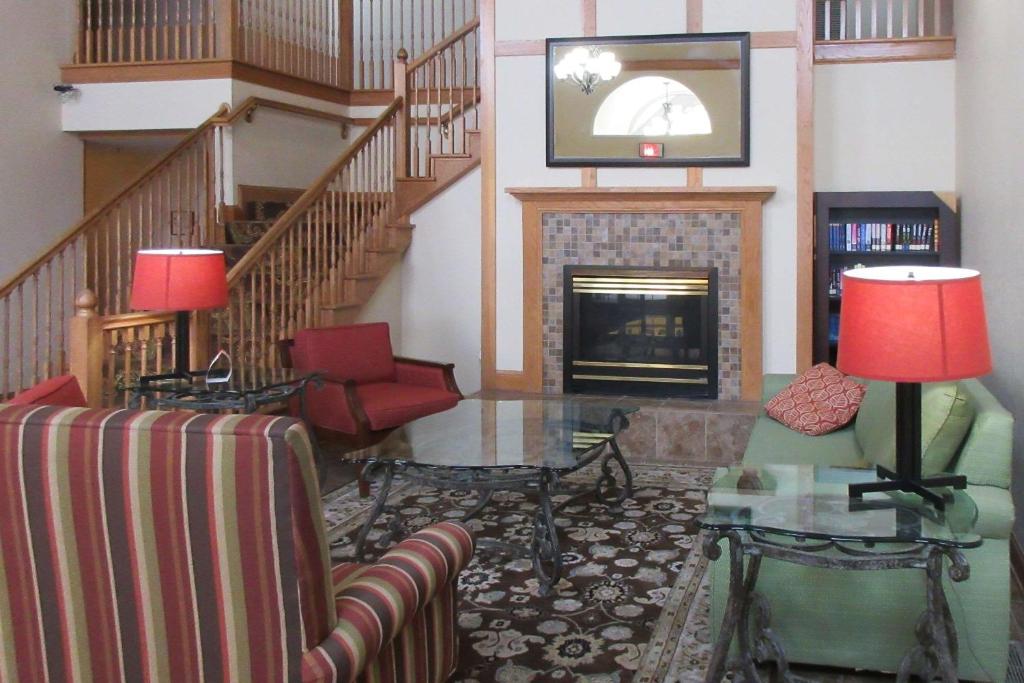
[869, 228]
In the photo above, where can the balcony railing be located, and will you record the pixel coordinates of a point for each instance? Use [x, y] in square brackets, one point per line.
[339, 43]
[883, 30]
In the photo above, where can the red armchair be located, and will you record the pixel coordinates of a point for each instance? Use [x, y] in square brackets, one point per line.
[367, 390]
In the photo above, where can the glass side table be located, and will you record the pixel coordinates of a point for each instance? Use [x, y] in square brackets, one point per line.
[803, 514]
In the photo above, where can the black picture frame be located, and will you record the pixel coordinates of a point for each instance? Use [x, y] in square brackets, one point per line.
[743, 159]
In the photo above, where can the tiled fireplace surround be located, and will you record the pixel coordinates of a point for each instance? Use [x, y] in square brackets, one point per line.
[665, 430]
[695, 226]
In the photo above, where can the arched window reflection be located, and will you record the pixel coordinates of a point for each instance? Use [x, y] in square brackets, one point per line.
[652, 106]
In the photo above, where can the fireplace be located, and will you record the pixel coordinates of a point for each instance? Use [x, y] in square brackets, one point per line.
[641, 331]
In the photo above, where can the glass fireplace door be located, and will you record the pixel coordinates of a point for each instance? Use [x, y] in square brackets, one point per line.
[641, 331]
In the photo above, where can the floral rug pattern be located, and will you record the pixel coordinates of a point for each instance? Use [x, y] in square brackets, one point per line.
[632, 604]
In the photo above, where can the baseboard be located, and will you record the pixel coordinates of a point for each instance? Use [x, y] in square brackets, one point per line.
[1016, 560]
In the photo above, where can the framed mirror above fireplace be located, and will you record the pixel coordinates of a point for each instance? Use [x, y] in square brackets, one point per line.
[641, 331]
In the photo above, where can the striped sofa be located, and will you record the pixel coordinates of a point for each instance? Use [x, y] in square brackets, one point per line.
[153, 546]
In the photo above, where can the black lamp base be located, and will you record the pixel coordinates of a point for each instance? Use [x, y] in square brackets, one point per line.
[181, 353]
[893, 481]
[907, 477]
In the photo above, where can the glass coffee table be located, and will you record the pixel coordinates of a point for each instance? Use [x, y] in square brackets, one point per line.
[803, 514]
[492, 445]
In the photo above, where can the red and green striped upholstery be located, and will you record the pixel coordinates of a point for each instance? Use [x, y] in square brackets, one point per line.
[150, 546]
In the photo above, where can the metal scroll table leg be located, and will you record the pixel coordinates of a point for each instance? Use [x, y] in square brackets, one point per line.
[938, 651]
[606, 483]
[547, 557]
[379, 506]
[485, 496]
[733, 608]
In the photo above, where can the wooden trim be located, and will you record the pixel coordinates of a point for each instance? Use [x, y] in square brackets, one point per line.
[588, 177]
[805, 185]
[894, 50]
[538, 201]
[488, 198]
[638, 195]
[105, 135]
[346, 60]
[520, 48]
[694, 177]
[206, 69]
[371, 98]
[769, 40]
[589, 10]
[251, 104]
[694, 16]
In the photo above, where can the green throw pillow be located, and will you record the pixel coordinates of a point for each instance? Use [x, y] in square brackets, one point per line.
[946, 416]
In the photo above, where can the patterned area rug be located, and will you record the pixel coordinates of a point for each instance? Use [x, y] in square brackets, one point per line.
[632, 605]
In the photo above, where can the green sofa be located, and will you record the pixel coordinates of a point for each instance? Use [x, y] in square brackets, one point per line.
[865, 620]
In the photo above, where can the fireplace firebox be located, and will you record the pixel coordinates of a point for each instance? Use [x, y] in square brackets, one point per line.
[641, 331]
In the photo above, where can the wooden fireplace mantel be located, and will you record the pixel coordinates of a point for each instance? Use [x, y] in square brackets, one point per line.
[759, 194]
[746, 201]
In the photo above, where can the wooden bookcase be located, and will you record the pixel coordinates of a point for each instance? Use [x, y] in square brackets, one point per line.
[852, 208]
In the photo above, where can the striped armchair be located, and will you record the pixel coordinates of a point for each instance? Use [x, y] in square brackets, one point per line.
[181, 547]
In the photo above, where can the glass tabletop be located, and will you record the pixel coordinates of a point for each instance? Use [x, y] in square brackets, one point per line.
[240, 383]
[813, 502]
[556, 434]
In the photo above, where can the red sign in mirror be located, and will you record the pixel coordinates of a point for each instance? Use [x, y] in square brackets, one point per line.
[652, 150]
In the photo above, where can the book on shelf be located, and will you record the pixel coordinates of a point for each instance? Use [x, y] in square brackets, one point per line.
[883, 237]
[833, 328]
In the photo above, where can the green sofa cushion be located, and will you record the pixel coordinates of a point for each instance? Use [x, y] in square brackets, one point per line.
[985, 456]
[946, 417]
[772, 442]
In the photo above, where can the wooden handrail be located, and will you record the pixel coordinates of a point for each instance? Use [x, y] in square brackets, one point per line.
[464, 31]
[253, 103]
[76, 230]
[289, 217]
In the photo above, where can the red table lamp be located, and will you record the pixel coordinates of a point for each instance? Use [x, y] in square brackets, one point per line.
[909, 325]
[180, 280]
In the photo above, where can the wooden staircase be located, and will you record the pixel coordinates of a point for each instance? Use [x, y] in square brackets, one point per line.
[317, 264]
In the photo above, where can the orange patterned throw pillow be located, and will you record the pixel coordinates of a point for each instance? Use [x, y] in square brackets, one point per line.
[817, 402]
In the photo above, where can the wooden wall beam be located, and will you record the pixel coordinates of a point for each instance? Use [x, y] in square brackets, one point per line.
[804, 184]
[488, 199]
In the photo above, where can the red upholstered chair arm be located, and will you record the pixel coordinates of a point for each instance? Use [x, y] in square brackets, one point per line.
[376, 605]
[426, 373]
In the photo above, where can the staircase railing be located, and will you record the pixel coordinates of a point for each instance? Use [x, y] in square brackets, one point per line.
[314, 253]
[383, 27]
[843, 20]
[441, 88]
[172, 204]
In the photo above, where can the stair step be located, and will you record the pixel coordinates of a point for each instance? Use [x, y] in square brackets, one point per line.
[401, 226]
[363, 276]
[385, 250]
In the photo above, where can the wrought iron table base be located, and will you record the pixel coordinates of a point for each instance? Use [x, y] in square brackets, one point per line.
[748, 615]
[544, 551]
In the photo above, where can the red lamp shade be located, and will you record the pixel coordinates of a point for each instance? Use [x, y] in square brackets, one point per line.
[910, 324]
[179, 280]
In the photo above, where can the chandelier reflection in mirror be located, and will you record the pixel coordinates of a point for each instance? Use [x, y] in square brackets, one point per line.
[587, 66]
[652, 105]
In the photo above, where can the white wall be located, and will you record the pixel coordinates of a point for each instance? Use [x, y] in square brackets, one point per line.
[40, 166]
[386, 306]
[144, 105]
[888, 126]
[441, 283]
[990, 172]
[281, 149]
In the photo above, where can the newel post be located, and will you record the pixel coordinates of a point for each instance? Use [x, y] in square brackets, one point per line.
[402, 119]
[225, 27]
[85, 344]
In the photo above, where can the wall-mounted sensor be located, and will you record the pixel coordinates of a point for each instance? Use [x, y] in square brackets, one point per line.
[67, 91]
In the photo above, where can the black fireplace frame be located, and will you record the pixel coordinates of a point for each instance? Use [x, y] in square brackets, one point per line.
[657, 389]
